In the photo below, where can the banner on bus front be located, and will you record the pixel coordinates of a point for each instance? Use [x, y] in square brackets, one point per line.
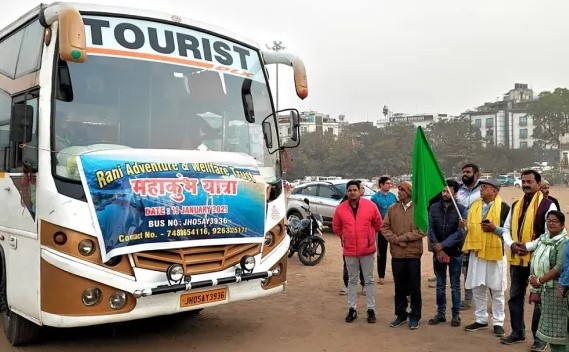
[152, 201]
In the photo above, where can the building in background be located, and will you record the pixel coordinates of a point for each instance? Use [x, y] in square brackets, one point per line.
[505, 122]
[313, 121]
[416, 119]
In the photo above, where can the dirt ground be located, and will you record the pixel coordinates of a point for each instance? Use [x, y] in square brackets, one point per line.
[309, 316]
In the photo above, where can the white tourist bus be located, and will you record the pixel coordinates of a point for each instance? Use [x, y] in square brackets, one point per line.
[140, 168]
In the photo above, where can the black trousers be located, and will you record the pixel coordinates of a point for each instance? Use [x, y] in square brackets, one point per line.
[362, 281]
[381, 255]
[519, 277]
[407, 278]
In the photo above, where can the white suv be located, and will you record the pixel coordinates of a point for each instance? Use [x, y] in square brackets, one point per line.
[324, 197]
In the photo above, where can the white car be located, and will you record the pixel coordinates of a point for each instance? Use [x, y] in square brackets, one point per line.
[324, 197]
[518, 182]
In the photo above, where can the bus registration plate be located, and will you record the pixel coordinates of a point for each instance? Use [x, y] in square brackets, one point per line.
[192, 299]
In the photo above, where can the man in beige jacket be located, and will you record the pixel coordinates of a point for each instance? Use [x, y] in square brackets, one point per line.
[406, 247]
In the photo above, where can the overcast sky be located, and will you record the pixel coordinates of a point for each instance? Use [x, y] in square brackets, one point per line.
[435, 56]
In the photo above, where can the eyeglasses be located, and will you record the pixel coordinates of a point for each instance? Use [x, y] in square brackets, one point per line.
[552, 221]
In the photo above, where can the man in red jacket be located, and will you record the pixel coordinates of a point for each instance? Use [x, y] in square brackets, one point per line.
[356, 222]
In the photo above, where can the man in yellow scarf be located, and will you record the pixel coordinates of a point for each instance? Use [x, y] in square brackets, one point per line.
[525, 223]
[487, 268]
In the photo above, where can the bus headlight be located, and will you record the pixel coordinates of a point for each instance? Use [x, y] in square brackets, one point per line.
[269, 239]
[247, 263]
[175, 273]
[113, 261]
[86, 247]
[117, 300]
[59, 238]
[91, 296]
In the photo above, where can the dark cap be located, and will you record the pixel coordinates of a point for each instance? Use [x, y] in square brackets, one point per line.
[491, 182]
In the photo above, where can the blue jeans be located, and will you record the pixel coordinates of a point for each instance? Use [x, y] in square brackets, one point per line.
[454, 268]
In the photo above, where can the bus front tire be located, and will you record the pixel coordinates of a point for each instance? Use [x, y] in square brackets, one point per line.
[18, 330]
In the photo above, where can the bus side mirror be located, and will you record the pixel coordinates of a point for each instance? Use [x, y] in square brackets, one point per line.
[63, 88]
[247, 99]
[267, 133]
[72, 41]
[297, 65]
[21, 123]
[294, 124]
[249, 109]
[289, 137]
[72, 45]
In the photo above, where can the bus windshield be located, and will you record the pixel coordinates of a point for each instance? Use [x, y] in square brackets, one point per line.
[132, 99]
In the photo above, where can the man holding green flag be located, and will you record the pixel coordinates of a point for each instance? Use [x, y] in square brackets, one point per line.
[406, 248]
[405, 226]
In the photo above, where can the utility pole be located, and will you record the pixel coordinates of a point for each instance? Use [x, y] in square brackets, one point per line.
[277, 46]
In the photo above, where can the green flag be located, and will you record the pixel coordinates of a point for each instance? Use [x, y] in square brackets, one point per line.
[427, 179]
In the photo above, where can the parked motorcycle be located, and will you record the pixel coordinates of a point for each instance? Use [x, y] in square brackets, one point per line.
[306, 237]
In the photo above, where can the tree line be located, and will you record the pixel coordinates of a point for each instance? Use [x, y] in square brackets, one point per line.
[363, 151]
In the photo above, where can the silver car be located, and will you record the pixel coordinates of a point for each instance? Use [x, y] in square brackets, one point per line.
[324, 197]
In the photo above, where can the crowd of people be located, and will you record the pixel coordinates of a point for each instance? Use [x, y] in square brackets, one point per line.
[472, 233]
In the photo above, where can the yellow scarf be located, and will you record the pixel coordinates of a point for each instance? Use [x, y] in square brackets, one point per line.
[487, 245]
[526, 226]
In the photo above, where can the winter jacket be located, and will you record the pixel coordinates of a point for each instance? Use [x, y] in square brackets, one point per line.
[444, 229]
[399, 227]
[358, 230]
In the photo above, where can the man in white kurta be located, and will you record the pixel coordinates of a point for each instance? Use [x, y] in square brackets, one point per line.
[485, 274]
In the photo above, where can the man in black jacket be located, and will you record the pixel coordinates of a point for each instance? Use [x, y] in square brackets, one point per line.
[446, 236]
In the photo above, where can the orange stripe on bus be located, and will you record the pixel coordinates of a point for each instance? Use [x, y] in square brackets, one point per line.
[156, 57]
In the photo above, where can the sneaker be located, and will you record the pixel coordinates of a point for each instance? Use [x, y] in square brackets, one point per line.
[413, 324]
[381, 281]
[499, 331]
[509, 340]
[434, 285]
[475, 327]
[371, 316]
[538, 346]
[437, 319]
[455, 321]
[352, 315]
[397, 322]
[343, 292]
[466, 305]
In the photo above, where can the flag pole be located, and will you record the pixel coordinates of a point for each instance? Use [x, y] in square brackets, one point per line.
[454, 202]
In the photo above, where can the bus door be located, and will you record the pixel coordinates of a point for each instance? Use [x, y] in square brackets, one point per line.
[18, 223]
